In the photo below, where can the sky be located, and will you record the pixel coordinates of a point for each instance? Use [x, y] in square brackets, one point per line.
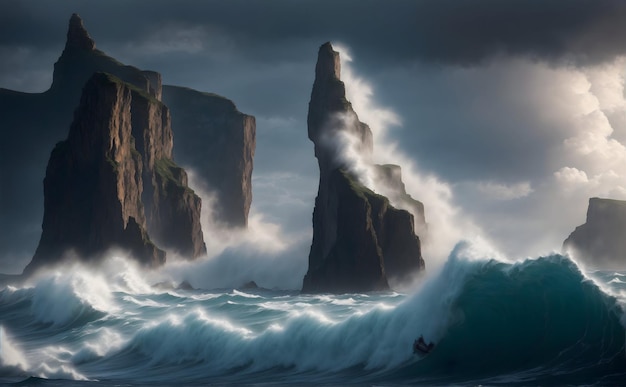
[506, 116]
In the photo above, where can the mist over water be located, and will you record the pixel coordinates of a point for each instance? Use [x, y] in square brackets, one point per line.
[264, 252]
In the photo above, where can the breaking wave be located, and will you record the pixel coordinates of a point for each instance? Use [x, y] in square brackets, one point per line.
[541, 321]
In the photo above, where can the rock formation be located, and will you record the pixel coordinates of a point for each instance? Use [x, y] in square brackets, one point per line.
[360, 241]
[113, 184]
[601, 241]
[219, 142]
[80, 59]
[388, 179]
[38, 121]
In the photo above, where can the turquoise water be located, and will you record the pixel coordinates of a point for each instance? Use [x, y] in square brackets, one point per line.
[540, 321]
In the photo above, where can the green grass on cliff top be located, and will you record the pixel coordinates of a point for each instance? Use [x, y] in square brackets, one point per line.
[358, 188]
[113, 79]
[166, 168]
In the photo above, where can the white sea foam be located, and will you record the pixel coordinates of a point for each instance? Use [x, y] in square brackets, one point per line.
[10, 354]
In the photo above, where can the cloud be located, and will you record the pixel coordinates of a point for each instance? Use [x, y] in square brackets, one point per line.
[582, 157]
[435, 31]
[498, 191]
[172, 39]
[21, 68]
[568, 176]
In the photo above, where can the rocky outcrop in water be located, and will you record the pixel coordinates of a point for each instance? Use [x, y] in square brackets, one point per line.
[219, 142]
[601, 241]
[113, 184]
[38, 121]
[360, 241]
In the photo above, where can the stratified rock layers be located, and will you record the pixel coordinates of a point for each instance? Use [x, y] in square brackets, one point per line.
[219, 142]
[113, 184]
[601, 241]
[360, 241]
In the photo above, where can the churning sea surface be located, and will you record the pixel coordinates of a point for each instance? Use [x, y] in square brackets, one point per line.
[539, 321]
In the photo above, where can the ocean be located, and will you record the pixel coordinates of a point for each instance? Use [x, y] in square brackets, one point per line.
[539, 321]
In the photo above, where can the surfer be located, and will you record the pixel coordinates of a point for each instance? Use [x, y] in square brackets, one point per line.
[420, 345]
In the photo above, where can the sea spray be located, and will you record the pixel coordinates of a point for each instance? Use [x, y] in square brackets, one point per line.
[12, 360]
[490, 321]
[529, 319]
[446, 222]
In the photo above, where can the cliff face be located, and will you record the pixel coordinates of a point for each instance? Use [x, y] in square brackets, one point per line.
[38, 121]
[601, 241]
[172, 209]
[360, 241]
[112, 182]
[93, 184]
[219, 142]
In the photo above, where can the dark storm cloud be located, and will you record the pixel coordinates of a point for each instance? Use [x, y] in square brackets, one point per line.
[447, 31]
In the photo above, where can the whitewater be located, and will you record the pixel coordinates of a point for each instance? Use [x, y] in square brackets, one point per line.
[537, 321]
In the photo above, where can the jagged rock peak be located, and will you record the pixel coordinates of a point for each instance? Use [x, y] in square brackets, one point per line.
[328, 63]
[77, 36]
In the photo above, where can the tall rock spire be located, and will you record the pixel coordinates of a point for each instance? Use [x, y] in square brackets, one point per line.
[328, 63]
[360, 241]
[77, 36]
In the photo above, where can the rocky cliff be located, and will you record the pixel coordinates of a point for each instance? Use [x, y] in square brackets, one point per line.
[113, 184]
[36, 122]
[601, 241]
[219, 142]
[360, 241]
[172, 208]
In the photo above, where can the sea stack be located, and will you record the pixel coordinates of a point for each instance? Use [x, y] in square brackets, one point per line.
[601, 240]
[360, 241]
[112, 183]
